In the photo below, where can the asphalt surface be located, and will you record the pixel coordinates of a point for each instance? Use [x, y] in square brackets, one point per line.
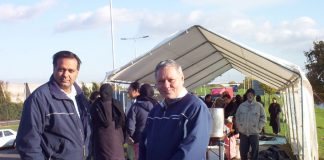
[8, 154]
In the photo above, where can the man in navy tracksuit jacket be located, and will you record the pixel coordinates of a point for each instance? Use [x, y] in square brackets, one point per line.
[55, 119]
[179, 128]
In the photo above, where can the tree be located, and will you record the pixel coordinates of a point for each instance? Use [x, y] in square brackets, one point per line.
[8, 110]
[4, 95]
[85, 90]
[231, 82]
[95, 87]
[267, 89]
[315, 72]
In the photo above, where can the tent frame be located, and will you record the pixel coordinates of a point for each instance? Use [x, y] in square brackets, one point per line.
[205, 55]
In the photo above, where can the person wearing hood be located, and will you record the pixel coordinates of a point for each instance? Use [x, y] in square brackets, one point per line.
[108, 122]
[137, 115]
[250, 119]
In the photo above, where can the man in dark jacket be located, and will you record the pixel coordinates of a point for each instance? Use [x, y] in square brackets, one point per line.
[137, 115]
[179, 128]
[55, 122]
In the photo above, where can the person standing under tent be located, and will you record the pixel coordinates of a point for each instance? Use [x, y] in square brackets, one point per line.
[250, 119]
[208, 100]
[178, 128]
[258, 99]
[137, 115]
[230, 107]
[133, 93]
[274, 110]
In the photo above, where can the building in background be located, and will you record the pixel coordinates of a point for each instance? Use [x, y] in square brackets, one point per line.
[19, 91]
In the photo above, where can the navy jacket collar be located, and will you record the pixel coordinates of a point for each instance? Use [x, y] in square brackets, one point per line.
[57, 92]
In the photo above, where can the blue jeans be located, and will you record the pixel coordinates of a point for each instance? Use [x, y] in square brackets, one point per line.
[245, 143]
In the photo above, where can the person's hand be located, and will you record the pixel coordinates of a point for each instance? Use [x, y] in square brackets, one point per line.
[130, 140]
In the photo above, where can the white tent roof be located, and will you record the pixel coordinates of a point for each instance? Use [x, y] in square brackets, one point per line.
[205, 55]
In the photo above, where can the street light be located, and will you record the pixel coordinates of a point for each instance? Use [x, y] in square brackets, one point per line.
[134, 39]
[112, 35]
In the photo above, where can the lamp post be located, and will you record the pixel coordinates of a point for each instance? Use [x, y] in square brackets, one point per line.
[134, 39]
[112, 35]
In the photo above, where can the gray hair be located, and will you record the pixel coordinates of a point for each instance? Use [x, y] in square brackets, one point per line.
[167, 63]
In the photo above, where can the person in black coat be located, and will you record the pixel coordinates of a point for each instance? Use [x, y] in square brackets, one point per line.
[274, 110]
[108, 122]
[230, 106]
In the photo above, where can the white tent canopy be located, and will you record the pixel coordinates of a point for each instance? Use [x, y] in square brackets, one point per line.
[205, 55]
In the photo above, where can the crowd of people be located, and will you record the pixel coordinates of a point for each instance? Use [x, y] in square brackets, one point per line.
[245, 118]
[59, 122]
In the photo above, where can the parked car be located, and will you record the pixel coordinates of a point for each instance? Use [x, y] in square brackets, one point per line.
[7, 138]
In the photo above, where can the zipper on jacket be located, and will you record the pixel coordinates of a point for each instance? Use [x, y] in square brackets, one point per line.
[50, 156]
[81, 134]
[84, 152]
[164, 107]
[83, 146]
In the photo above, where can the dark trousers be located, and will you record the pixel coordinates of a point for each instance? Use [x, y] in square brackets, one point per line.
[245, 143]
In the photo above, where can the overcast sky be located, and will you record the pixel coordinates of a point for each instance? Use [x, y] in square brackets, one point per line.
[32, 31]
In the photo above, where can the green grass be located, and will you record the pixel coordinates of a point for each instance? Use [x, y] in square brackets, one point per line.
[13, 127]
[320, 131]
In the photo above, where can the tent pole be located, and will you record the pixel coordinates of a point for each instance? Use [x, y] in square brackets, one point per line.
[244, 85]
[115, 87]
[292, 122]
[288, 115]
[297, 126]
[284, 113]
[302, 107]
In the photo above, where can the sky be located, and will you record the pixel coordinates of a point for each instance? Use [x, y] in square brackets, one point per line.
[32, 31]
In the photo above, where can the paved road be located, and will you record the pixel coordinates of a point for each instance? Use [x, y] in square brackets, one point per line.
[9, 154]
